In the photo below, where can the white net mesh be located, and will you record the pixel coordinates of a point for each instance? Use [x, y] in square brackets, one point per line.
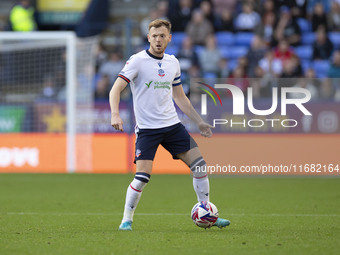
[34, 89]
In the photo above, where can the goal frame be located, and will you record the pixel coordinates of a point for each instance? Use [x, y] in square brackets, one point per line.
[70, 44]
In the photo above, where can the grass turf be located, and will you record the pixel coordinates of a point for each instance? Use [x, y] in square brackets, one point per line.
[80, 214]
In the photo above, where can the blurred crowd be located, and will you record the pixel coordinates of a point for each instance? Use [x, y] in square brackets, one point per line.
[258, 43]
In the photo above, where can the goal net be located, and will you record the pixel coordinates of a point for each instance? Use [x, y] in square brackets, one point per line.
[46, 99]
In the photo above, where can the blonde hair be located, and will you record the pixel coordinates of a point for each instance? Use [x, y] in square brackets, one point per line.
[159, 23]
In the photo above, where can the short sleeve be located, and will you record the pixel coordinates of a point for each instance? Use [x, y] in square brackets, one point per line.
[130, 70]
[177, 79]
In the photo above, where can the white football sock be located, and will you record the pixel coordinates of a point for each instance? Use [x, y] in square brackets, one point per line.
[201, 187]
[200, 179]
[133, 194]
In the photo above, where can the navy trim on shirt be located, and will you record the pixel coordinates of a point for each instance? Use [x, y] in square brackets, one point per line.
[153, 56]
[176, 84]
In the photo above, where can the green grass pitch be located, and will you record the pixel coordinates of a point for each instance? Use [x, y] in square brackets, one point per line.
[80, 214]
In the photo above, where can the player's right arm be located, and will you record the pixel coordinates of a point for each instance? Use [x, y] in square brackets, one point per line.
[114, 98]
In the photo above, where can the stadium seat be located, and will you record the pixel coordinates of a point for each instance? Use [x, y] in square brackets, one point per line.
[198, 49]
[225, 51]
[243, 39]
[234, 52]
[307, 38]
[304, 25]
[304, 52]
[335, 39]
[209, 75]
[177, 38]
[232, 64]
[172, 50]
[306, 64]
[321, 68]
[224, 38]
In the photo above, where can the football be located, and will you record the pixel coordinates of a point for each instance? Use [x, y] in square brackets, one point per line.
[204, 214]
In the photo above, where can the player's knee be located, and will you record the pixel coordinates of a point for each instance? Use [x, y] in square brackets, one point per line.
[199, 168]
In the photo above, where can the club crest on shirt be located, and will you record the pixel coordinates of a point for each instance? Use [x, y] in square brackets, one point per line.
[161, 73]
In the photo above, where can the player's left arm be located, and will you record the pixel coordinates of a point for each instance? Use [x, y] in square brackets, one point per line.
[185, 105]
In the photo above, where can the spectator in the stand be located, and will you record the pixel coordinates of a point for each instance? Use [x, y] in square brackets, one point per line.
[292, 68]
[199, 28]
[226, 21]
[248, 19]
[322, 47]
[255, 82]
[287, 28]
[162, 9]
[319, 18]
[101, 55]
[159, 12]
[311, 3]
[334, 73]
[283, 51]
[239, 79]
[210, 56]
[265, 29]
[263, 83]
[271, 65]
[326, 89]
[187, 56]
[299, 9]
[180, 15]
[112, 66]
[256, 52]
[290, 73]
[243, 63]
[144, 24]
[223, 68]
[334, 70]
[333, 18]
[22, 17]
[267, 7]
[278, 4]
[207, 9]
[49, 91]
[224, 4]
[310, 82]
[102, 88]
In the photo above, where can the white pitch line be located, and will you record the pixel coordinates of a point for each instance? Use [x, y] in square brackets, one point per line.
[170, 214]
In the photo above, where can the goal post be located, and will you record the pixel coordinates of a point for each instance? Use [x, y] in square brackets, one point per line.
[28, 63]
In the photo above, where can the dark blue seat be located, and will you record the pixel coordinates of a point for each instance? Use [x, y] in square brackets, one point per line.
[243, 38]
[177, 38]
[172, 50]
[304, 52]
[321, 68]
[306, 64]
[304, 25]
[234, 52]
[335, 39]
[225, 38]
[307, 38]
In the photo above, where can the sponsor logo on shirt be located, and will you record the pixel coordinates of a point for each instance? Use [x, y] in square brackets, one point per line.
[148, 84]
[162, 85]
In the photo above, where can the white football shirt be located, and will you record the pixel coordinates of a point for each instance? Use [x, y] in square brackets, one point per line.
[151, 80]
